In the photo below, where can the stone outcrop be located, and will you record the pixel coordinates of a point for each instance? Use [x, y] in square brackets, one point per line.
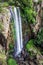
[4, 28]
[38, 9]
[5, 18]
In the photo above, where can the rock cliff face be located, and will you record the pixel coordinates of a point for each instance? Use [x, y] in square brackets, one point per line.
[4, 28]
[5, 19]
[38, 17]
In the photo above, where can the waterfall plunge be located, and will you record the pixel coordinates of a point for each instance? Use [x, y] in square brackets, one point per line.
[18, 27]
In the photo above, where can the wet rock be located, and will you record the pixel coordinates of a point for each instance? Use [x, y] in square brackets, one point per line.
[26, 59]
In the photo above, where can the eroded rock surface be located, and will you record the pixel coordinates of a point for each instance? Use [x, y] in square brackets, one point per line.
[4, 28]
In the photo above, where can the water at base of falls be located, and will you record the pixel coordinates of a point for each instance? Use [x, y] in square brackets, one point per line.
[18, 28]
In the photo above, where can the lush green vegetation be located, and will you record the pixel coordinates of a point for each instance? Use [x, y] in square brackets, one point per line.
[29, 45]
[26, 9]
[11, 61]
[32, 49]
[36, 43]
[39, 38]
[11, 48]
[29, 15]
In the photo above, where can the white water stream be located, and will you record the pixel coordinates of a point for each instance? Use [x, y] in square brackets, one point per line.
[18, 28]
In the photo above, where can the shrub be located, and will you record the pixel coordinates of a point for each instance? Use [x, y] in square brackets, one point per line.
[11, 46]
[39, 39]
[29, 45]
[30, 15]
[11, 49]
[11, 61]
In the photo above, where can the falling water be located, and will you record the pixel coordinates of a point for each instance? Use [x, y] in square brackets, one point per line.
[18, 28]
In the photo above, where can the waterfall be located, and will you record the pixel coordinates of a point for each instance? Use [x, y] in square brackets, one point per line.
[18, 28]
